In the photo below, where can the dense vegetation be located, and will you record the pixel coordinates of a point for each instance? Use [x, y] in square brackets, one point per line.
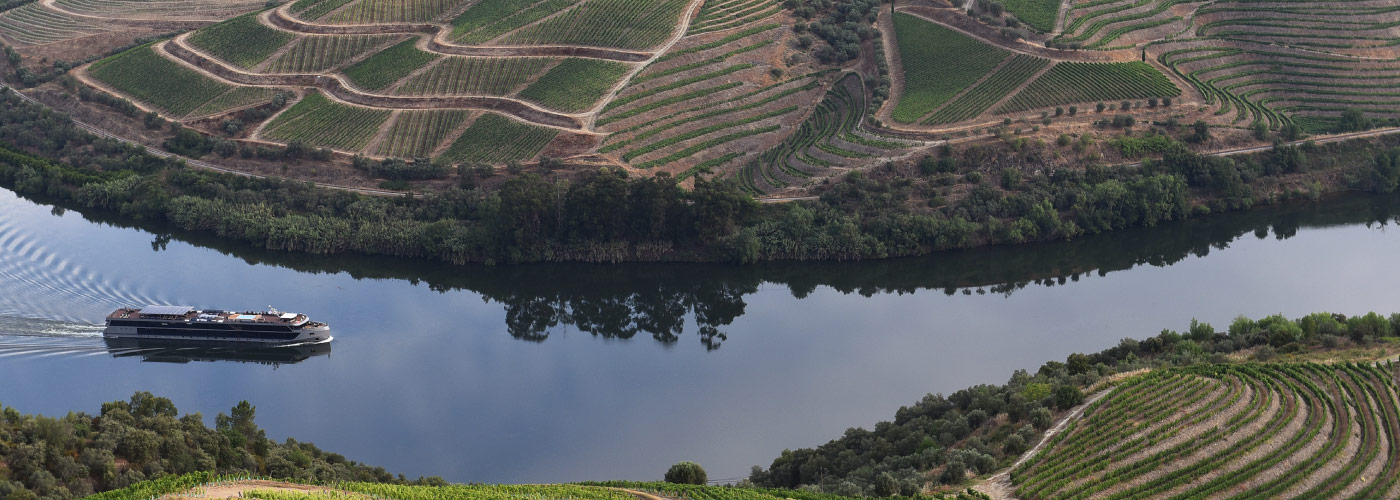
[145, 438]
[983, 428]
[606, 216]
[840, 24]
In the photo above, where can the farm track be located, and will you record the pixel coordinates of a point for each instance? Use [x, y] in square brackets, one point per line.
[335, 86]
[437, 41]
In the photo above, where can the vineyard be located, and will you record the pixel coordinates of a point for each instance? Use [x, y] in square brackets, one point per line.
[708, 102]
[1115, 24]
[719, 15]
[625, 24]
[487, 20]
[160, 9]
[158, 82]
[829, 139]
[388, 66]
[315, 54]
[1070, 83]
[390, 11]
[496, 139]
[1039, 14]
[316, 9]
[575, 84]
[1291, 63]
[34, 25]
[938, 63]
[416, 134]
[456, 75]
[990, 90]
[318, 121]
[242, 40]
[1236, 431]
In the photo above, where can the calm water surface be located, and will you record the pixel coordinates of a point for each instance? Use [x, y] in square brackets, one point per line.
[570, 372]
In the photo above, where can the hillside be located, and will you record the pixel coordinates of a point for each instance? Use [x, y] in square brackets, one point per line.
[1246, 431]
[779, 97]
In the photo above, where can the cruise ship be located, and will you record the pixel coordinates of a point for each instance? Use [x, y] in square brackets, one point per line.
[185, 323]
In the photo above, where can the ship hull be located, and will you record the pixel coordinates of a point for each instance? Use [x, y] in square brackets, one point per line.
[202, 333]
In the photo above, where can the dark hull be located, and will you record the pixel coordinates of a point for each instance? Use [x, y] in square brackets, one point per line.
[184, 351]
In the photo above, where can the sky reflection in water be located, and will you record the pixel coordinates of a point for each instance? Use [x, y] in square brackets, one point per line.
[567, 373]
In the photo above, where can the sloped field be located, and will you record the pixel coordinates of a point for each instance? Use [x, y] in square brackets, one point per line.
[34, 25]
[828, 140]
[1229, 431]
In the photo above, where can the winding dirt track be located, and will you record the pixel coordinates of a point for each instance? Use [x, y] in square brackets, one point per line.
[999, 485]
[439, 41]
[336, 87]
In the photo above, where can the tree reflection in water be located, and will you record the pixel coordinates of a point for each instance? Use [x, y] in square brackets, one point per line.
[658, 299]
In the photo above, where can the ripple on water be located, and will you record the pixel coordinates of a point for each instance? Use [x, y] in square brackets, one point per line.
[43, 282]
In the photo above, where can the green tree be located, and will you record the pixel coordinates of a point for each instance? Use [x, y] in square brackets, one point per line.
[1353, 120]
[885, 485]
[686, 472]
[1068, 396]
[1041, 418]
[1077, 363]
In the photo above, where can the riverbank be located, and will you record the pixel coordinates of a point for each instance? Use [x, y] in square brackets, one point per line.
[607, 217]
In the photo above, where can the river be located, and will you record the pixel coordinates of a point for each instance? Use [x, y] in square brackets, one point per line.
[554, 373]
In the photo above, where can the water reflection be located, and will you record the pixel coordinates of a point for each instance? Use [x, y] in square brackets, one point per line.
[660, 300]
[171, 352]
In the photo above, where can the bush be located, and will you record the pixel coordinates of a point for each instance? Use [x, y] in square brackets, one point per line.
[686, 473]
[1041, 418]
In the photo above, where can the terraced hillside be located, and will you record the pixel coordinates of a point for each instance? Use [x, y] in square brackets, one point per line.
[712, 99]
[755, 90]
[829, 141]
[445, 78]
[1300, 63]
[372, 71]
[1230, 431]
[988, 81]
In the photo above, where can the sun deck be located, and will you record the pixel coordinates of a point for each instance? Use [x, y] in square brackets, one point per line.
[189, 314]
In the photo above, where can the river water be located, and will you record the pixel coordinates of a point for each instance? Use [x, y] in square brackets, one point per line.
[553, 373]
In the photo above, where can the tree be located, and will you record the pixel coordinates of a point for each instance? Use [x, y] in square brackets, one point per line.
[1041, 418]
[1077, 363]
[954, 473]
[1200, 132]
[885, 485]
[686, 472]
[1353, 120]
[1015, 445]
[1068, 396]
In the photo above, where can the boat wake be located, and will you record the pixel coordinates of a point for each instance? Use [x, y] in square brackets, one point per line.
[38, 282]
